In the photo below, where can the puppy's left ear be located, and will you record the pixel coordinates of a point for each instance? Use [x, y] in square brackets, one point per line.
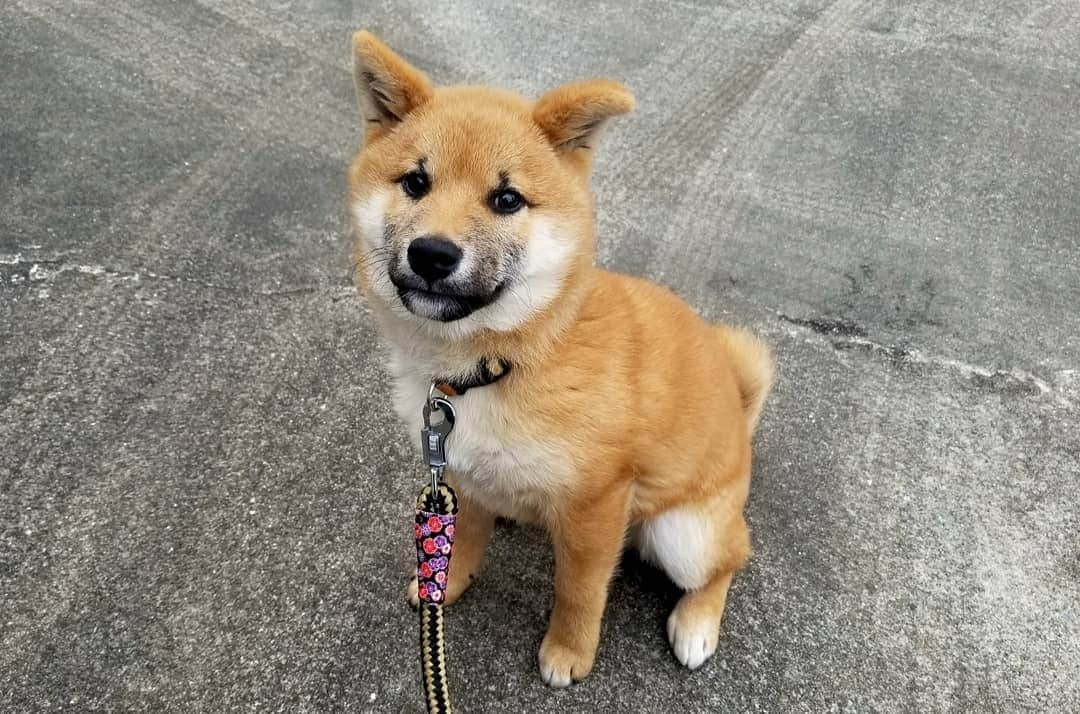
[573, 116]
[387, 87]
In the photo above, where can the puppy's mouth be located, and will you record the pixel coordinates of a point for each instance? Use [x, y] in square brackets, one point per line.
[443, 305]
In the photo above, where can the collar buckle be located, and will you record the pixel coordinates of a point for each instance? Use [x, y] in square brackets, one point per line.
[487, 371]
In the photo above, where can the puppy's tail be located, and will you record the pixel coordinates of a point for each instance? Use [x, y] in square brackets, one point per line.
[753, 365]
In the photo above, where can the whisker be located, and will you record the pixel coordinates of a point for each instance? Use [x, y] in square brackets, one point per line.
[524, 303]
[375, 256]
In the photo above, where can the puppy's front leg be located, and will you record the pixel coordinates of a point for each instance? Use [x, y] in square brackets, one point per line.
[587, 541]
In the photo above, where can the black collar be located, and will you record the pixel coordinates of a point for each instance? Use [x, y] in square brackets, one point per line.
[487, 371]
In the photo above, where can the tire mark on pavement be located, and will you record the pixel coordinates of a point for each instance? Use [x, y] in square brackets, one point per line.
[742, 142]
[170, 57]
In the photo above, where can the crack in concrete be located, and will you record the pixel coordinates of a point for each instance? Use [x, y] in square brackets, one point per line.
[40, 270]
[839, 334]
[845, 335]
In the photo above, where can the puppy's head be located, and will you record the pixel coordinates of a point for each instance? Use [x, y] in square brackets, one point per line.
[471, 205]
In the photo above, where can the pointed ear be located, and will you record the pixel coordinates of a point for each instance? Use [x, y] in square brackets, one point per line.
[387, 87]
[573, 116]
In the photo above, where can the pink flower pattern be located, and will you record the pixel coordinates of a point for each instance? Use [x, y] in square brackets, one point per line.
[433, 555]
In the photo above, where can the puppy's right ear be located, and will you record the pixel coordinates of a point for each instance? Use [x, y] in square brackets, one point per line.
[387, 87]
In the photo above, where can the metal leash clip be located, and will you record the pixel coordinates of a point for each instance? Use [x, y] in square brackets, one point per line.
[433, 436]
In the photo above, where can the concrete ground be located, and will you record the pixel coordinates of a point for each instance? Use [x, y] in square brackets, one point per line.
[205, 499]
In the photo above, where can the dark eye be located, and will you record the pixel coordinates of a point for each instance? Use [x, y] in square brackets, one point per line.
[507, 200]
[415, 184]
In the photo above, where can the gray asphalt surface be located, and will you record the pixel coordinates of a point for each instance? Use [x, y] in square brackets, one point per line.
[205, 498]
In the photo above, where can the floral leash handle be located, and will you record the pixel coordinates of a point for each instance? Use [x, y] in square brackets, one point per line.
[434, 542]
[436, 511]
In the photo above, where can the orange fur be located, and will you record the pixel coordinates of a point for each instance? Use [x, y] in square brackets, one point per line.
[623, 410]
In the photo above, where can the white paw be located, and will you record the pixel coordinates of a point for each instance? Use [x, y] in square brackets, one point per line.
[555, 675]
[693, 639]
[560, 666]
[412, 593]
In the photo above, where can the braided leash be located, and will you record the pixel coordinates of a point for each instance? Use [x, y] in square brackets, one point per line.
[436, 512]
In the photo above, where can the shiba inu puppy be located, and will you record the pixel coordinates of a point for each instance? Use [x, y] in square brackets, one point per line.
[596, 405]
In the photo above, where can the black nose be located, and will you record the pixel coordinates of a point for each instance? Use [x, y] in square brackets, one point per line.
[433, 258]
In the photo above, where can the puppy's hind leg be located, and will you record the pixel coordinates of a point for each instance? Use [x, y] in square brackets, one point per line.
[700, 550]
[694, 625]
